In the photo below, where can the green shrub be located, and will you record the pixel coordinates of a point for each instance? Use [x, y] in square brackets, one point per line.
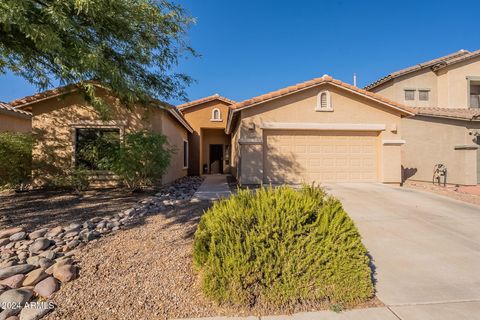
[15, 159]
[281, 246]
[140, 160]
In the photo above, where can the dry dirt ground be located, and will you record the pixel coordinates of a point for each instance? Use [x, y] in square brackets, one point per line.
[146, 272]
[466, 194]
[47, 208]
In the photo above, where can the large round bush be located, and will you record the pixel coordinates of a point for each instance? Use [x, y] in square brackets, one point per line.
[278, 246]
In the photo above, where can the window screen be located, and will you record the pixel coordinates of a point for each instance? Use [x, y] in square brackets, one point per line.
[94, 145]
[409, 95]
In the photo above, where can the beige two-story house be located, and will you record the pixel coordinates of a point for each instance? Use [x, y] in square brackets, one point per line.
[445, 93]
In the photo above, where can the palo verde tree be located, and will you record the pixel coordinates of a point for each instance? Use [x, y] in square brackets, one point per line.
[130, 46]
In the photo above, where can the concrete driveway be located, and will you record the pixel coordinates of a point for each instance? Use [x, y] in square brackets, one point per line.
[425, 248]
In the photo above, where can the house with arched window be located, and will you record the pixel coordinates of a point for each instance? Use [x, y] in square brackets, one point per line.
[210, 146]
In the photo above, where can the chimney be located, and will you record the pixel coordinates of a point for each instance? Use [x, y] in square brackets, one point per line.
[354, 79]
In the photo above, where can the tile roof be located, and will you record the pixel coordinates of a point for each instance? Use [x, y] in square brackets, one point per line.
[25, 101]
[6, 107]
[316, 82]
[204, 100]
[22, 102]
[472, 114]
[310, 84]
[461, 54]
[461, 58]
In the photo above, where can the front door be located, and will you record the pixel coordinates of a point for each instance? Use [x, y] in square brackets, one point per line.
[216, 158]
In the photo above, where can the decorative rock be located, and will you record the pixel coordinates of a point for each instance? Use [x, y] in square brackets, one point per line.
[73, 227]
[45, 263]
[34, 277]
[8, 232]
[54, 232]
[13, 282]
[65, 273]
[14, 297]
[33, 260]
[12, 317]
[37, 234]
[18, 236]
[39, 245]
[22, 255]
[37, 311]
[46, 287]
[59, 263]
[8, 263]
[72, 244]
[13, 270]
[48, 254]
[4, 241]
[71, 234]
[89, 236]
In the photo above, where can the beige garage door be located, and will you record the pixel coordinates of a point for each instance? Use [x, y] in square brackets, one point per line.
[320, 156]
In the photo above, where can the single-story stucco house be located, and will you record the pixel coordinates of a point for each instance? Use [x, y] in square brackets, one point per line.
[322, 130]
[62, 117]
[14, 120]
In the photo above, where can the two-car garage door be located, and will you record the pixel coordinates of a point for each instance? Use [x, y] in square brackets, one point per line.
[320, 156]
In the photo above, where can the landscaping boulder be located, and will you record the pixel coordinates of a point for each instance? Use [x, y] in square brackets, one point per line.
[13, 270]
[8, 232]
[46, 287]
[37, 233]
[39, 245]
[34, 277]
[13, 282]
[14, 297]
[36, 312]
[4, 241]
[65, 273]
[18, 236]
[54, 232]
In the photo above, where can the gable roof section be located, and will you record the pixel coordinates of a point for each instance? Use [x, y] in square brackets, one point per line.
[24, 102]
[450, 113]
[7, 109]
[448, 59]
[450, 62]
[311, 84]
[49, 94]
[204, 100]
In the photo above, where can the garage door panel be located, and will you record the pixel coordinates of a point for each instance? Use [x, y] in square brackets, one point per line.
[311, 156]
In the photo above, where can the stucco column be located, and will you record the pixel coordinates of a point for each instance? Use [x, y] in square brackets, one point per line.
[391, 161]
[469, 155]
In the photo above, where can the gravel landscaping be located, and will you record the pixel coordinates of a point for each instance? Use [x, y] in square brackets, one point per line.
[462, 193]
[33, 263]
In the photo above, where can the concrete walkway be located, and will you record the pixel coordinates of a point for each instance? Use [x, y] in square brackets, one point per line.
[213, 188]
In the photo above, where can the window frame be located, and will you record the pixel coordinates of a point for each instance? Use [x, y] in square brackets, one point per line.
[420, 91]
[471, 79]
[219, 119]
[405, 94]
[185, 153]
[75, 130]
[329, 106]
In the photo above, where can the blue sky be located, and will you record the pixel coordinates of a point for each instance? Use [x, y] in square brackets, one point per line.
[251, 47]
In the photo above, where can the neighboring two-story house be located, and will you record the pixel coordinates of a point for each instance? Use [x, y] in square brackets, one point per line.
[445, 94]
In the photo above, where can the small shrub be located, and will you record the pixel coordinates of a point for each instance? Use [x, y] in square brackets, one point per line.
[76, 178]
[15, 159]
[281, 246]
[142, 159]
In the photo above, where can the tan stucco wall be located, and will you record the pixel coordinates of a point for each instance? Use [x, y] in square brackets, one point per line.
[14, 123]
[432, 141]
[176, 134]
[199, 117]
[54, 122]
[349, 108]
[448, 86]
